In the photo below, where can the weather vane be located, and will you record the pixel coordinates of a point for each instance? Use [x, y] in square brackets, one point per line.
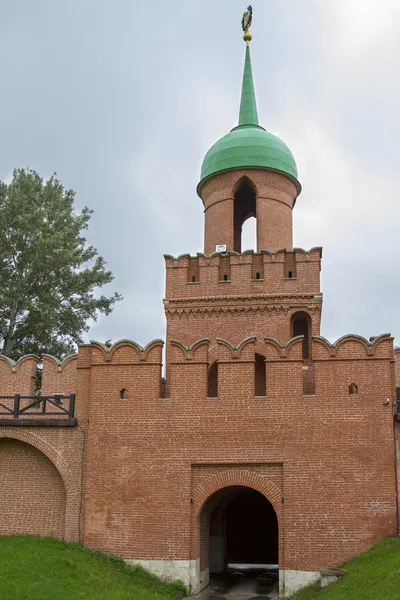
[246, 24]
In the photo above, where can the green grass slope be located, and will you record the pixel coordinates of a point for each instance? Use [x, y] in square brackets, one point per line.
[375, 575]
[34, 568]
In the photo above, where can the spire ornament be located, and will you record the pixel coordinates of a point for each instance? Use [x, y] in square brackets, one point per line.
[246, 24]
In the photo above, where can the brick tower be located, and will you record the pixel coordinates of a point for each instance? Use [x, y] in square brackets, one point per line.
[227, 293]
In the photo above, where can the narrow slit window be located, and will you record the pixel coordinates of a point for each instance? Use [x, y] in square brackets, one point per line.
[212, 381]
[260, 381]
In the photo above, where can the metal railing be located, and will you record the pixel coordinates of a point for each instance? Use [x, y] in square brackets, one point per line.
[20, 407]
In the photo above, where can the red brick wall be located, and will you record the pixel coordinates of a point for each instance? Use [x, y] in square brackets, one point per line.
[19, 377]
[33, 496]
[59, 377]
[335, 449]
[325, 461]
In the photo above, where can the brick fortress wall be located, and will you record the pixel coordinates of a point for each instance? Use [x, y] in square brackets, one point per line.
[150, 460]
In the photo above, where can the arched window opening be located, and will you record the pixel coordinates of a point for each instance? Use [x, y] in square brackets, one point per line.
[301, 325]
[212, 381]
[260, 381]
[249, 234]
[244, 208]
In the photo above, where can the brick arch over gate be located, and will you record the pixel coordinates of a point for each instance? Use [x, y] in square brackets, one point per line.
[72, 486]
[225, 479]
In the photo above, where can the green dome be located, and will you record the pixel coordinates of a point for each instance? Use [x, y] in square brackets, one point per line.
[248, 145]
[252, 147]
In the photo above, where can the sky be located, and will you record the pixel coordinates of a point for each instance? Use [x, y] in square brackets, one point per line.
[122, 100]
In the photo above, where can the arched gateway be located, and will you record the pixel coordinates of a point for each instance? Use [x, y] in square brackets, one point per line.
[235, 522]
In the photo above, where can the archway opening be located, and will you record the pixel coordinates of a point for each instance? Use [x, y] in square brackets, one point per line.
[239, 531]
[251, 530]
[301, 325]
[244, 208]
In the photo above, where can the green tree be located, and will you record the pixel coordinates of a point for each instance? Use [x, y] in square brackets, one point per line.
[49, 276]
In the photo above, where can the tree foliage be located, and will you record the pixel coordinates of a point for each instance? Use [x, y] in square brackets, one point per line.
[49, 276]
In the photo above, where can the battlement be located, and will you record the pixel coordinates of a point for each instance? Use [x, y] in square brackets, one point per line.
[273, 273]
[18, 377]
[127, 370]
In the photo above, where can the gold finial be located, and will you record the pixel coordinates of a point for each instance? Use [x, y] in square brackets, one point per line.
[246, 24]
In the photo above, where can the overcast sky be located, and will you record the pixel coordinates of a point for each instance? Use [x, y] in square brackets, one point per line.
[123, 98]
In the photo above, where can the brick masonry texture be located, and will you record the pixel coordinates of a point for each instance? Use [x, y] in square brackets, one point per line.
[140, 474]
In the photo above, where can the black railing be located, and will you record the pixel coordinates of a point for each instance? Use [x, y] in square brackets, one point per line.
[38, 408]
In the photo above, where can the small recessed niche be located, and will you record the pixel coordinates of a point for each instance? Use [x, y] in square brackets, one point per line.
[123, 393]
[225, 277]
[290, 274]
[353, 388]
[257, 275]
[193, 278]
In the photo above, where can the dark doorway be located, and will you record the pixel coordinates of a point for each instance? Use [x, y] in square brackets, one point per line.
[251, 530]
[242, 528]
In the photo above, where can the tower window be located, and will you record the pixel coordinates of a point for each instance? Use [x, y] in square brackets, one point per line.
[193, 278]
[290, 274]
[257, 275]
[225, 277]
[353, 388]
[244, 208]
[301, 325]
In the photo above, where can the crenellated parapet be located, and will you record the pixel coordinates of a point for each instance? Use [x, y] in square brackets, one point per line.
[18, 377]
[126, 352]
[126, 369]
[281, 272]
[198, 351]
[353, 347]
[59, 376]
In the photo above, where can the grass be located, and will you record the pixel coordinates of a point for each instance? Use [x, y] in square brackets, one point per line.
[35, 568]
[375, 575]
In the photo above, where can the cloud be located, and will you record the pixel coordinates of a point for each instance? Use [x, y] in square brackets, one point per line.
[358, 29]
